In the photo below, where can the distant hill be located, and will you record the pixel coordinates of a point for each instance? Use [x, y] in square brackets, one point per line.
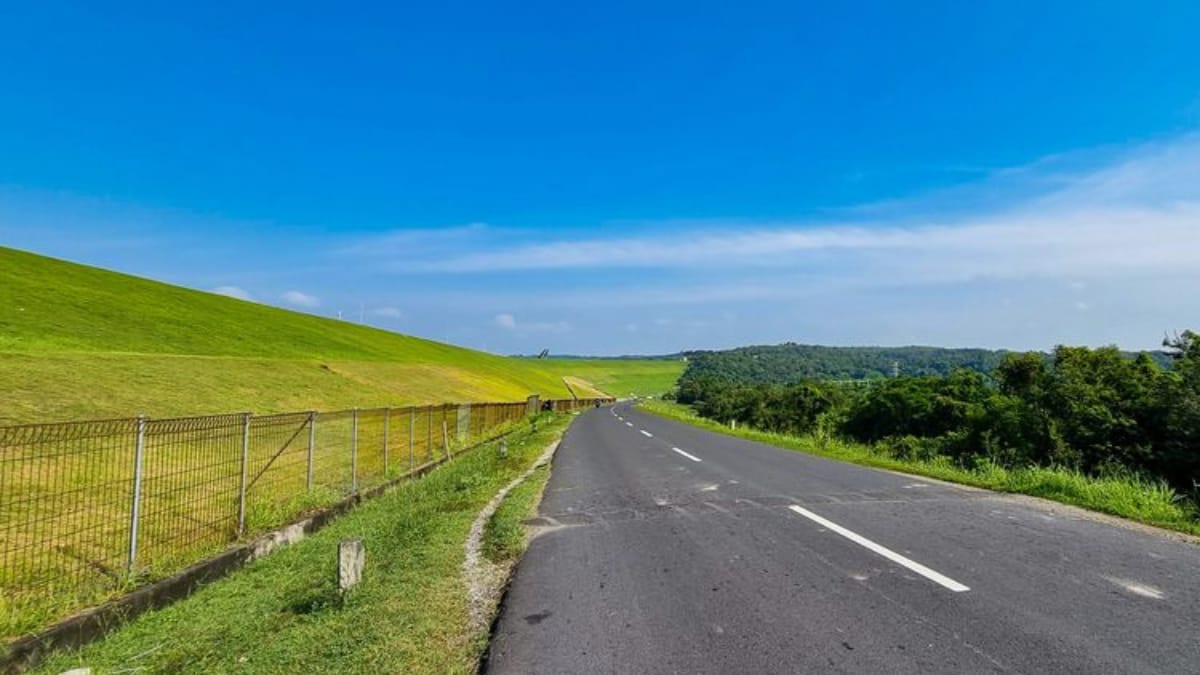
[790, 362]
[79, 342]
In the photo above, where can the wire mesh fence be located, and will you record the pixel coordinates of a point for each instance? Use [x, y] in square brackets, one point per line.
[90, 508]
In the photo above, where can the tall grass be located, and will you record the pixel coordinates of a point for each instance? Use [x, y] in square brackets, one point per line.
[1126, 495]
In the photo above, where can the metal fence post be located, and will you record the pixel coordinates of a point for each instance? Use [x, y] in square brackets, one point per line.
[387, 419]
[135, 507]
[354, 452]
[412, 424]
[312, 442]
[241, 529]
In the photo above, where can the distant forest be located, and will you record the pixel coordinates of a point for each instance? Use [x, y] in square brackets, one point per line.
[791, 363]
[1100, 411]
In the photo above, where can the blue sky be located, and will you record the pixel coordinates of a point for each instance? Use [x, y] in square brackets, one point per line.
[626, 178]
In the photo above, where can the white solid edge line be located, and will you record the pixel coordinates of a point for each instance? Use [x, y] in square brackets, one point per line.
[917, 567]
[645, 433]
[689, 456]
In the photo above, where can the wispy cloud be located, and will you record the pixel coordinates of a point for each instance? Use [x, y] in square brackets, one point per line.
[1013, 244]
[387, 312]
[418, 241]
[233, 292]
[1139, 213]
[301, 299]
[509, 323]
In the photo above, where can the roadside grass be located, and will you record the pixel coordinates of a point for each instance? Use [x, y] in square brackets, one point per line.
[1127, 496]
[504, 536]
[283, 614]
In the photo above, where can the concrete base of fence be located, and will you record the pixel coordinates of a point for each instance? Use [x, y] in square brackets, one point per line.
[93, 624]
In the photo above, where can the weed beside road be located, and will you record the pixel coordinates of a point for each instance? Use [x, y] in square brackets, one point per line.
[283, 614]
[505, 537]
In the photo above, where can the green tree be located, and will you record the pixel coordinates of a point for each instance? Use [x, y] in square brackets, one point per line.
[1180, 458]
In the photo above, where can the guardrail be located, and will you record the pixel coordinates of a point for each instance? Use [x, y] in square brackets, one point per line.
[90, 508]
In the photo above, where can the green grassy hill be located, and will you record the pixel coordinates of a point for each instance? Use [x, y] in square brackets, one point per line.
[621, 379]
[78, 342]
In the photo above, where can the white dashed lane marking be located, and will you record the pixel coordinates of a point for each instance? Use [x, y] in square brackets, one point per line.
[917, 567]
[686, 454]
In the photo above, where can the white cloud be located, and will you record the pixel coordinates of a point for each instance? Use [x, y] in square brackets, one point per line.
[299, 299]
[387, 312]
[1139, 213]
[1018, 243]
[233, 292]
[510, 323]
[418, 242]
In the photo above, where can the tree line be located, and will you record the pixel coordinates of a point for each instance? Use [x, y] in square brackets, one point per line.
[790, 363]
[1095, 410]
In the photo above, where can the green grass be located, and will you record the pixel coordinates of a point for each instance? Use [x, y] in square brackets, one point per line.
[282, 614]
[81, 342]
[623, 379]
[504, 536]
[1149, 502]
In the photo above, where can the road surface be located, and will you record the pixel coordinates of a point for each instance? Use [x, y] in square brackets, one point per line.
[668, 549]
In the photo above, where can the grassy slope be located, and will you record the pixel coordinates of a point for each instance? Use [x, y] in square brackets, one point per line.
[1127, 497]
[623, 378]
[77, 342]
[281, 614]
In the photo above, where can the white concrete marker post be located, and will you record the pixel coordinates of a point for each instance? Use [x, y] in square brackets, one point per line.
[352, 557]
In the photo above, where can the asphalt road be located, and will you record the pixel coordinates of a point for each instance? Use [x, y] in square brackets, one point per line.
[760, 560]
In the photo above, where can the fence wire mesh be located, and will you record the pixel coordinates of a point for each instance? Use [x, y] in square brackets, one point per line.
[65, 508]
[90, 508]
[191, 483]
